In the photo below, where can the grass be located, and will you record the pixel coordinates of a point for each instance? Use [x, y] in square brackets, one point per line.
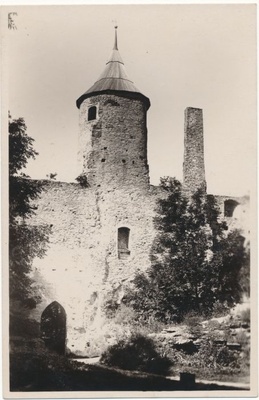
[72, 376]
[137, 353]
[33, 368]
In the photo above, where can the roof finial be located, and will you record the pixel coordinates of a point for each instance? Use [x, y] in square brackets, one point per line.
[115, 42]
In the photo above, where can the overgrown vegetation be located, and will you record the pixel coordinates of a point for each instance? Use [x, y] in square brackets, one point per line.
[213, 362]
[195, 264]
[25, 241]
[137, 353]
[82, 180]
[197, 270]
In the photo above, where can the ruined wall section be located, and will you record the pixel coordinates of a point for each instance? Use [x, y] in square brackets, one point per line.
[240, 215]
[193, 166]
[113, 147]
[71, 271]
[81, 267]
[135, 210]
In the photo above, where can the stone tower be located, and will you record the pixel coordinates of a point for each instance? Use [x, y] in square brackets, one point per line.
[193, 166]
[113, 132]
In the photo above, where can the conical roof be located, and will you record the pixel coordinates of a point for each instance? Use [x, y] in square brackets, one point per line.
[114, 80]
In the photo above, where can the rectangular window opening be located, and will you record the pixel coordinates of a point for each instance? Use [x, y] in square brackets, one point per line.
[123, 243]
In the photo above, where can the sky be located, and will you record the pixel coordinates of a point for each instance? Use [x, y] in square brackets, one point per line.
[179, 56]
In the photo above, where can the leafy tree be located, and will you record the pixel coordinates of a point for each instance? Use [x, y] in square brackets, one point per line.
[194, 262]
[25, 241]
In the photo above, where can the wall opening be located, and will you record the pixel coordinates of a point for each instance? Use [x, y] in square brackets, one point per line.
[229, 207]
[53, 327]
[123, 243]
[92, 113]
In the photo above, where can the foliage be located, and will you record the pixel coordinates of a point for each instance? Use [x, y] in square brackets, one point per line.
[245, 315]
[126, 317]
[37, 368]
[220, 309]
[21, 325]
[212, 362]
[136, 353]
[245, 272]
[193, 320]
[25, 241]
[82, 179]
[21, 190]
[20, 146]
[193, 262]
[217, 357]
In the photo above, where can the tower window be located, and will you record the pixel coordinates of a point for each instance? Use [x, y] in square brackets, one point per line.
[92, 113]
[123, 243]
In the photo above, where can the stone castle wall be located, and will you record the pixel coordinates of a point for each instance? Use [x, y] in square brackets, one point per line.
[236, 212]
[82, 263]
[87, 262]
[193, 166]
[82, 268]
[101, 234]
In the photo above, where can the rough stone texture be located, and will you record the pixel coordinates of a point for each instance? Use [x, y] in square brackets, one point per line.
[113, 147]
[240, 218]
[82, 264]
[82, 267]
[193, 166]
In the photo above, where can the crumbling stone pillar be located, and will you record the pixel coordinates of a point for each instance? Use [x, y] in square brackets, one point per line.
[193, 166]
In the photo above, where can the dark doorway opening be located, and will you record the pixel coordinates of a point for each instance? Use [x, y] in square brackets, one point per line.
[229, 207]
[53, 327]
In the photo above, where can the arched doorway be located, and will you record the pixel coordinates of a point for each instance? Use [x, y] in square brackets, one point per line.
[53, 327]
[229, 207]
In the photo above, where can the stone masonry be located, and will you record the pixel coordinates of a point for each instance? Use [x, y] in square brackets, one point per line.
[193, 166]
[113, 147]
[102, 233]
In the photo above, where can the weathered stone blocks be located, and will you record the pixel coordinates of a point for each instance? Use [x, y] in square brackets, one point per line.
[193, 166]
[113, 147]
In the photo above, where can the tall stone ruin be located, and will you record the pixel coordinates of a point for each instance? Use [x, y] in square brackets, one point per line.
[102, 231]
[193, 165]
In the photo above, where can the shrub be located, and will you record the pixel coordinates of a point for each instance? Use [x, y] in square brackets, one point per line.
[82, 180]
[242, 338]
[193, 321]
[136, 353]
[24, 327]
[245, 315]
[213, 324]
[220, 309]
[33, 367]
[124, 315]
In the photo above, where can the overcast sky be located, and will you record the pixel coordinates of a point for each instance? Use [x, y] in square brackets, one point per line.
[177, 55]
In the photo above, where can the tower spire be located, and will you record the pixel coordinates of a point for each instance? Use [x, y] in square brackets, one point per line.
[115, 41]
[114, 78]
